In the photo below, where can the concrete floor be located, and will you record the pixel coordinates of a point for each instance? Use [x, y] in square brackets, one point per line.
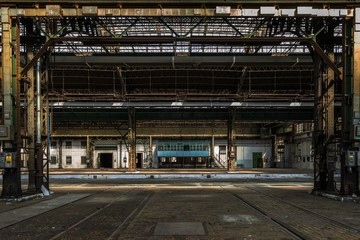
[180, 209]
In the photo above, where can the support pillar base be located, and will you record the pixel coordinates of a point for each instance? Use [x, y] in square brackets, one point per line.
[11, 184]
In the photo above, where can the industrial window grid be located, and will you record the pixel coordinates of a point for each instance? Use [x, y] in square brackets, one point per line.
[53, 160]
[68, 160]
[83, 159]
[68, 144]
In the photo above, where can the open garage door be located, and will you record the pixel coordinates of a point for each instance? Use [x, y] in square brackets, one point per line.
[106, 160]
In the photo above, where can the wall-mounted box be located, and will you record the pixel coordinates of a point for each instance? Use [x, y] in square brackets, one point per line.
[7, 159]
[6, 133]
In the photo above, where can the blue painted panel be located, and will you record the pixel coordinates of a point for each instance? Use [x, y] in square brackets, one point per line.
[183, 149]
[183, 154]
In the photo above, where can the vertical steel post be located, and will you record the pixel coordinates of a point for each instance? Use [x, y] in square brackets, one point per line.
[354, 178]
[10, 86]
[39, 149]
[320, 171]
[274, 149]
[351, 104]
[151, 157]
[60, 153]
[212, 151]
[330, 124]
[231, 141]
[132, 140]
[31, 123]
[88, 162]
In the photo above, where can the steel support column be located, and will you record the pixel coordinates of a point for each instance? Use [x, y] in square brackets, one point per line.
[11, 101]
[212, 150]
[274, 149]
[350, 106]
[132, 140]
[30, 123]
[320, 170]
[60, 153]
[231, 141]
[354, 177]
[39, 148]
[88, 153]
[151, 157]
[330, 139]
[46, 126]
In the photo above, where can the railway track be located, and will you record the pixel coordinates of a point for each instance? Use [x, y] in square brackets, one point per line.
[94, 215]
[297, 221]
[21, 209]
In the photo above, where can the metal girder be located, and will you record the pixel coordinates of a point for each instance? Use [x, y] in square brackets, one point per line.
[182, 8]
[256, 116]
[326, 58]
[263, 105]
[146, 60]
[166, 39]
[39, 53]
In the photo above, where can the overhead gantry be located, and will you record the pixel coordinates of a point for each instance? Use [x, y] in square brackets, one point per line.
[180, 59]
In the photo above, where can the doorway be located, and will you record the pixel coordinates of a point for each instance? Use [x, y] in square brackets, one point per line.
[106, 160]
[139, 158]
[257, 159]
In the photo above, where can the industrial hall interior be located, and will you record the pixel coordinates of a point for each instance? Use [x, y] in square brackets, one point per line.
[170, 85]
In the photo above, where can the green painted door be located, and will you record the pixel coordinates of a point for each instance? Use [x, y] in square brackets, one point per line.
[257, 159]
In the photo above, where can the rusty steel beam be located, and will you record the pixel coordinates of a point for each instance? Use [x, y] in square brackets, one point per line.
[41, 51]
[142, 3]
[326, 58]
[218, 40]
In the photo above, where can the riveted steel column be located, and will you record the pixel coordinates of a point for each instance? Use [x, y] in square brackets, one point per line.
[11, 92]
[31, 123]
[132, 140]
[320, 171]
[356, 62]
[351, 106]
[330, 125]
[231, 141]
